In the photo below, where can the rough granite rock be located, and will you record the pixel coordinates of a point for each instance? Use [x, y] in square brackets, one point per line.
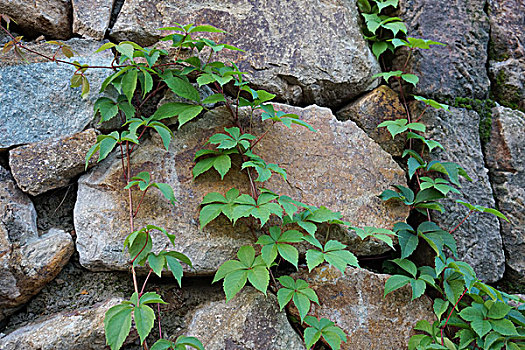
[91, 17]
[45, 165]
[316, 57]
[507, 51]
[249, 321]
[27, 261]
[37, 101]
[455, 70]
[339, 167]
[478, 238]
[372, 109]
[505, 156]
[355, 303]
[48, 17]
[69, 330]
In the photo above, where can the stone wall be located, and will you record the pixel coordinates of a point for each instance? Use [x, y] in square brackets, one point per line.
[62, 228]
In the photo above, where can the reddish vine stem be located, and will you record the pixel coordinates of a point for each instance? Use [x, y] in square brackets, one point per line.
[450, 314]
[159, 87]
[140, 202]
[122, 161]
[142, 133]
[145, 282]
[160, 327]
[131, 224]
[462, 221]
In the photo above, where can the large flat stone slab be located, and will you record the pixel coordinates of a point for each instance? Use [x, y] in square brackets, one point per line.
[91, 17]
[339, 167]
[305, 51]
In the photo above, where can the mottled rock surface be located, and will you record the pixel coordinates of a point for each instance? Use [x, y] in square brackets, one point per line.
[249, 321]
[350, 171]
[48, 17]
[45, 165]
[70, 330]
[317, 57]
[478, 238]
[505, 156]
[372, 109]
[455, 70]
[37, 101]
[27, 261]
[355, 303]
[91, 17]
[507, 51]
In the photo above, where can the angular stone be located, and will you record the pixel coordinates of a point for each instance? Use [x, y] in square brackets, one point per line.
[48, 17]
[339, 167]
[455, 70]
[79, 329]
[478, 238]
[326, 66]
[355, 303]
[91, 17]
[249, 321]
[27, 261]
[507, 52]
[505, 156]
[371, 110]
[37, 102]
[508, 82]
[45, 165]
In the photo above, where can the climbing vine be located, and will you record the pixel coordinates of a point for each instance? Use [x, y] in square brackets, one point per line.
[470, 314]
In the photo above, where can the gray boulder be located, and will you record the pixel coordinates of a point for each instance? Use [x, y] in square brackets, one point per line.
[27, 261]
[455, 70]
[478, 238]
[91, 17]
[48, 17]
[304, 51]
[45, 165]
[507, 52]
[250, 321]
[505, 155]
[37, 101]
[69, 330]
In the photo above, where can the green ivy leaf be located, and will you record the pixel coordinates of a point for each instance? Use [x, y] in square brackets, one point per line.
[395, 282]
[144, 317]
[117, 325]
[183, 88]
[129, 83]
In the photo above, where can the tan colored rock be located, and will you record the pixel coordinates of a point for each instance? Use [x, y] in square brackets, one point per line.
[249, 321]
[305, 51]
[91, 17]
[339, 167]
[27, 261]
[355, 303]
[48, 17]
[71, 330]
[371, 110]
[45, 165]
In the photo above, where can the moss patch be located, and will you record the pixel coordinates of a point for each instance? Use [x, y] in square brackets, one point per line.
[484, 109]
